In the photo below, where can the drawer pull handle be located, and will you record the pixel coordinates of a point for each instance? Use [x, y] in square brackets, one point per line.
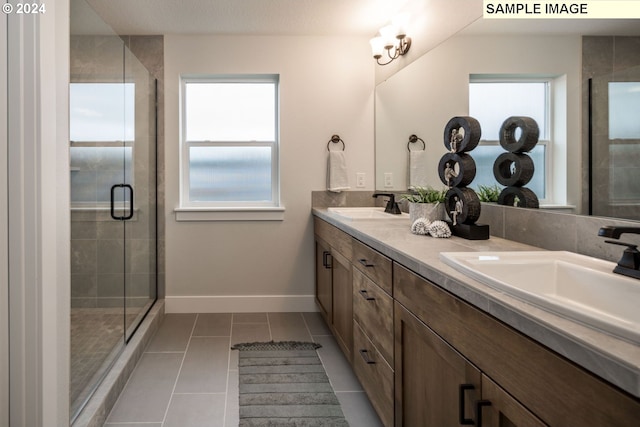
[479, 405]
[325, 259]
[365, 296]
[365, 356]
[461, 390]
[364, 262]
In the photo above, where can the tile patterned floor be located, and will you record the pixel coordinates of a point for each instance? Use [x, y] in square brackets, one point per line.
[188, 376]
[96, 334]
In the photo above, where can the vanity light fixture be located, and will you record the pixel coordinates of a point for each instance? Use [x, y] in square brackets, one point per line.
[392, 39]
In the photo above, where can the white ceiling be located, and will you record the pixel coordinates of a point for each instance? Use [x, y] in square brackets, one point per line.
[305, 17]
[254, 17]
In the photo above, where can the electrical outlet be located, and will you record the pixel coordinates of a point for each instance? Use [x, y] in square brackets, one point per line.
[360, 179]
[388, 179]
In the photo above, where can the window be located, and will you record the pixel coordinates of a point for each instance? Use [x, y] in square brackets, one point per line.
[102, 133]
[229, 142]
[624, 142]
[491, 101]
[624, 104]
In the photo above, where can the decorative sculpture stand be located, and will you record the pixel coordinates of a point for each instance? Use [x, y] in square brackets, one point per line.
[457, 169]
[514, 169]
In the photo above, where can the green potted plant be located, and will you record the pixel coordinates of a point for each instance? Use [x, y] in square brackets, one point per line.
[425, 202]
[488, 193]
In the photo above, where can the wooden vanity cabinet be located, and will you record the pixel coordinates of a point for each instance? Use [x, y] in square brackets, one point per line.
[375, 375]
[437, 386]
[426, 358]
[499, 409]
[324, 286]
[434, 384]
[334, 282]
[342, 303]
[525, 383]
[373, 343]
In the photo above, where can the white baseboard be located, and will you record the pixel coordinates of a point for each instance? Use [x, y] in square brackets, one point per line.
[240, 304]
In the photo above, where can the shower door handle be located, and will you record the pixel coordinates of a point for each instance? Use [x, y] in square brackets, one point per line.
[113, 209]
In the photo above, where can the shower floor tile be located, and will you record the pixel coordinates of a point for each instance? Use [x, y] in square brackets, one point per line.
[96, 334]
[199, 400]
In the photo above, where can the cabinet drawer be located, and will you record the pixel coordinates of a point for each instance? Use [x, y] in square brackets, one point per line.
[374, 265]
[374, 374]
[373, 309]
[336, 238]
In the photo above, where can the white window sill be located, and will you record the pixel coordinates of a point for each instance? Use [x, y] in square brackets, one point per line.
[230, 214]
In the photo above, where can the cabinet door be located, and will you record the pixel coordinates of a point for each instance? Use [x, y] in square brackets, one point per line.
[499, 409]
[342, 303]
[434, 385]
[324, 294]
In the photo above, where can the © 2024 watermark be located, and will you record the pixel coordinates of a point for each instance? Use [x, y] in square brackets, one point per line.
[24, 8]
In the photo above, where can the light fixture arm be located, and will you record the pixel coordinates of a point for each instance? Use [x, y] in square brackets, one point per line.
[400, 48]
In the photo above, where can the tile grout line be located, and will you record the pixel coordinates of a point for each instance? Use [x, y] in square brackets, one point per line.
[127, 382]
[306, 325]
[215, 393]
[175, 383]
[269, 326]
[320, 356]
[226, 398]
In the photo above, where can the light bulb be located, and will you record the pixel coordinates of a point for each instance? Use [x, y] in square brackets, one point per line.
[400, 22]
[377, 46]
[388, 34]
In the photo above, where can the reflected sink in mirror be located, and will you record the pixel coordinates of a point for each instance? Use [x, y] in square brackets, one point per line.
[366, 213]
[568, 284]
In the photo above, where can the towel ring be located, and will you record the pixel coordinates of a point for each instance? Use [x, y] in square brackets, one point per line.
[413, 139]
[335, 139]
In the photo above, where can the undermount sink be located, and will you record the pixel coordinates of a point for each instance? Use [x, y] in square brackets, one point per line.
[571, 285]
[366, 213]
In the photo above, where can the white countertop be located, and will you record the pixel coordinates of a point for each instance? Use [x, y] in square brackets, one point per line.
[611, 358]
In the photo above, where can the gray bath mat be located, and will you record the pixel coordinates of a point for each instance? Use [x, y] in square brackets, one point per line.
[283, 384]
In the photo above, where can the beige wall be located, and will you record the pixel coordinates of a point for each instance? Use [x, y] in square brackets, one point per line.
[428, 29]
[326, 87]
[422, 97]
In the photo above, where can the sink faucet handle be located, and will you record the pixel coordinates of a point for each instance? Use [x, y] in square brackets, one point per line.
[630, 257]
[615, 232]
[629, 245]
[392, 207]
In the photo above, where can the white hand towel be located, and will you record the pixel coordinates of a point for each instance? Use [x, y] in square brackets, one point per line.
[337, 178]
[418, 168]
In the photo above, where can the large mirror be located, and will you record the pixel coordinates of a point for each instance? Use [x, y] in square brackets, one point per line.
[578, 78]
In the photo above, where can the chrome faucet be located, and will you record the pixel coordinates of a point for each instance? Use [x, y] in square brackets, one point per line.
[392, 207]
[629, 264]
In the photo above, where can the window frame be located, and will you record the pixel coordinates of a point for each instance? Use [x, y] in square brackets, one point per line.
[548, 132]
[185, 186]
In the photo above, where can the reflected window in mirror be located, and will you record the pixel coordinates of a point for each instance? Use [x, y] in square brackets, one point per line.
[624, 143]
[491, 102]
[624, 104]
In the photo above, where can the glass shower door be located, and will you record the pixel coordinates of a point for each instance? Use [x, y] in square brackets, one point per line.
[113, 198]
[141, 229]
[615, 144]
[100, 157]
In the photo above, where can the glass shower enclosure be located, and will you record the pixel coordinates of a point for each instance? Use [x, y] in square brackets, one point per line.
[614, 144]
[112, 153]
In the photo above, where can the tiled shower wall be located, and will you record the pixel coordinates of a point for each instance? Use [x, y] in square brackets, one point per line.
[97, 241]
[616, 163]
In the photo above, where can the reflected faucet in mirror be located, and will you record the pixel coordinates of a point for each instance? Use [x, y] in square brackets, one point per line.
[629, 264]
[392, 206]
